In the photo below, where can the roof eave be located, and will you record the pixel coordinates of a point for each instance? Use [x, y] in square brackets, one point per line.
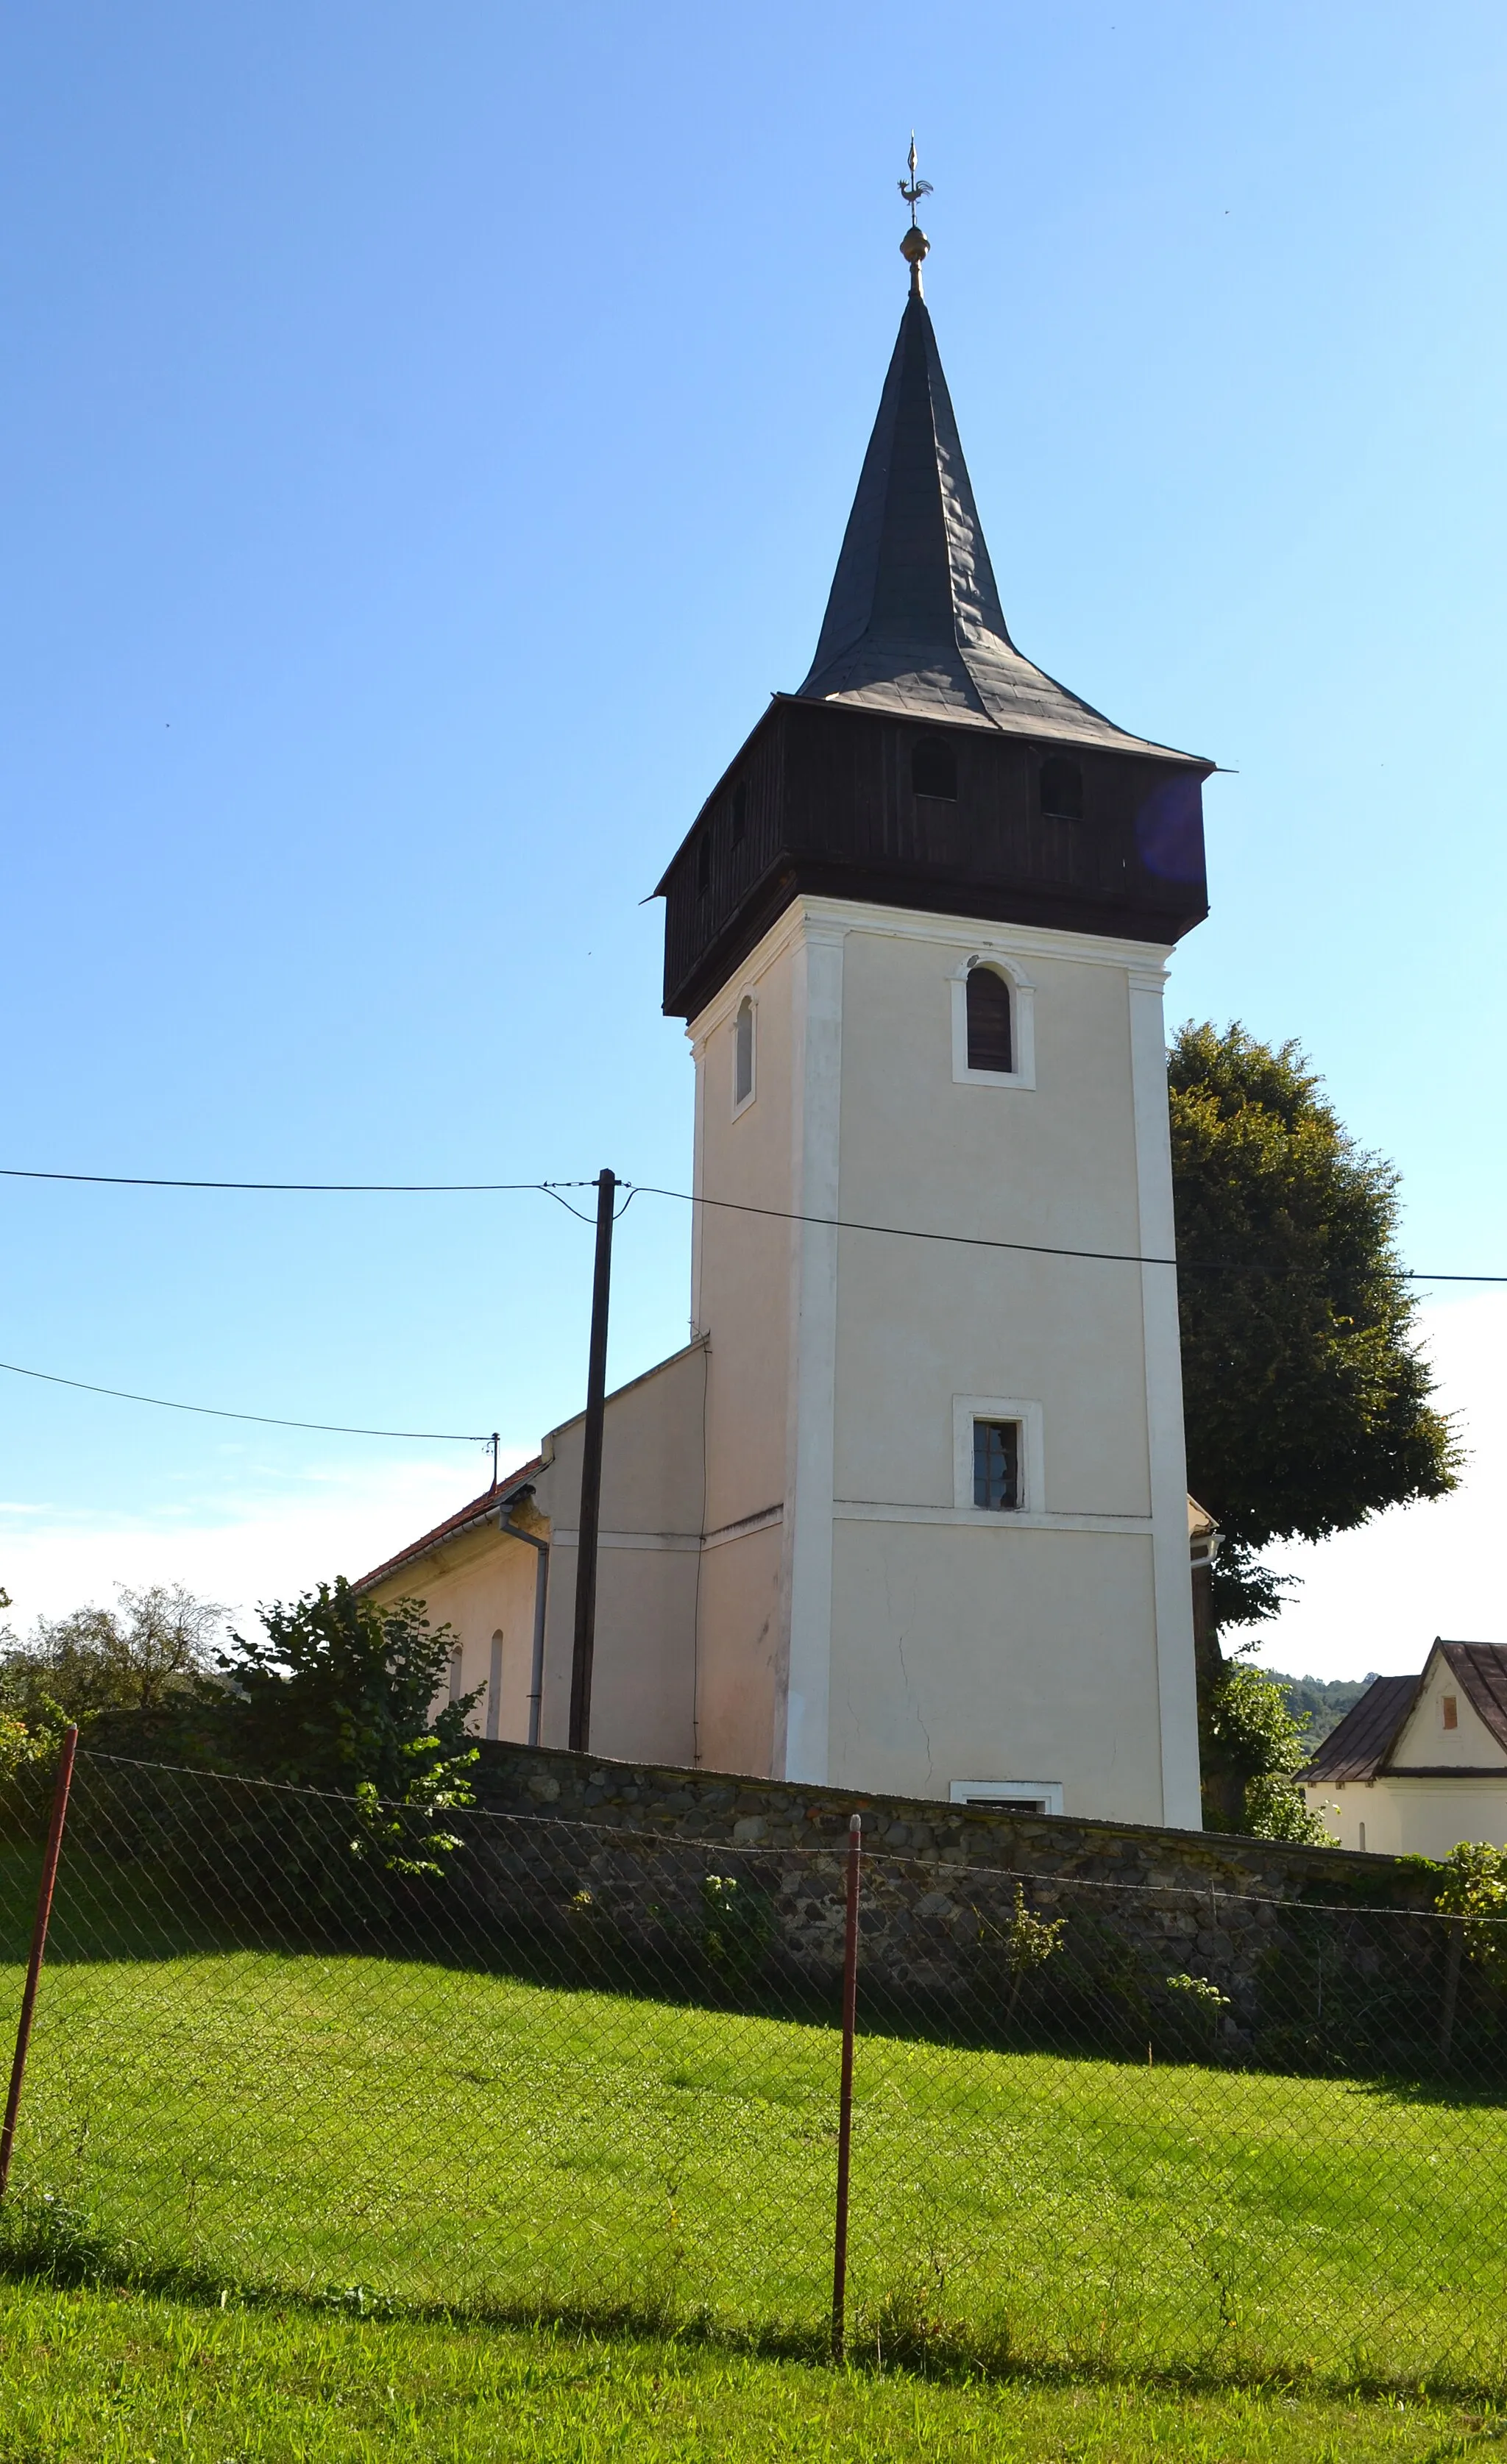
[469, 1518]
[1134, 747]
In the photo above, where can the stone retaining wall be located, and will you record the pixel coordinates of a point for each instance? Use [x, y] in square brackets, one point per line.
[1142, 1904]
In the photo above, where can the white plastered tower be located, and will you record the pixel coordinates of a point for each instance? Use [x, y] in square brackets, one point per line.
[917, 1245]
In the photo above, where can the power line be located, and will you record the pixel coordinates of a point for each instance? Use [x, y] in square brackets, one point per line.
[980, 1240]
[263, 1419]
[303, 1188]
[903, 1231]
[684, 1197]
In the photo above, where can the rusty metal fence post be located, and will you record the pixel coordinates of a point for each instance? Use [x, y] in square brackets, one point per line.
[34, 1967]
[849, 2008]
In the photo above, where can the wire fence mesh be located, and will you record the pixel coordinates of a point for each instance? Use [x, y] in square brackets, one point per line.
[593, 2073]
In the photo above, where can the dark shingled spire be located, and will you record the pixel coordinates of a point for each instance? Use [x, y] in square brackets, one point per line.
[914, 623]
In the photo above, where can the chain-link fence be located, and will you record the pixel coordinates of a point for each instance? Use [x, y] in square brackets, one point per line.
[590, 2073]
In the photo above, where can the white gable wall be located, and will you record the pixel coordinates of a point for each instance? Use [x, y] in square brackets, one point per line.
[1414, 1808]
[1426, 1741]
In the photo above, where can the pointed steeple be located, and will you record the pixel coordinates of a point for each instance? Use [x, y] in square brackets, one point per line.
[914, 622]
[1037, 811]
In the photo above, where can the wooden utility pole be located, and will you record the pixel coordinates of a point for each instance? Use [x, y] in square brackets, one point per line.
[592, 1473]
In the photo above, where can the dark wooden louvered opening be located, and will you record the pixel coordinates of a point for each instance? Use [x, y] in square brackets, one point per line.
[934, 768]
[739, 812]
[989, 1042]
[1062, 790]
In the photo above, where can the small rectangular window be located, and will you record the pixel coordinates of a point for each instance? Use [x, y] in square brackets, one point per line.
[1451, 1712]
[996, 1465]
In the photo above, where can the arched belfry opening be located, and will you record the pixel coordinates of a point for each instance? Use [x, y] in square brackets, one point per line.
[934, 768]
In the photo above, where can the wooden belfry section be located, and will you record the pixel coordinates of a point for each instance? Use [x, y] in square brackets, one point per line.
[924, 761]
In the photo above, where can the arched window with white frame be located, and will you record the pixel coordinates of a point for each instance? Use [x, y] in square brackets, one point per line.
[993, 1022]
[992, 1038]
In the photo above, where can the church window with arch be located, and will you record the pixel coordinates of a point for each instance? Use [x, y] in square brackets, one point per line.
[991, 1043]
[743, 1054]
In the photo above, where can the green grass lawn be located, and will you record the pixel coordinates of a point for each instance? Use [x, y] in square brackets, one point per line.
[110, 2378]
[520, 2152]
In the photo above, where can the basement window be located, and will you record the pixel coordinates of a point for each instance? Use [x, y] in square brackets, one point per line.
[1062, 790]
[1009, 1795]
[996, 1466]
[934, 768]
[1452, 1711]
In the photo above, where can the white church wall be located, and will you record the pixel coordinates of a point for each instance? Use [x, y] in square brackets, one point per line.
[741, 1296]
[982, 1655]
[856, 1348]
[741, 1284]
[481, 1584]
[652, 1489]
[740, 1650]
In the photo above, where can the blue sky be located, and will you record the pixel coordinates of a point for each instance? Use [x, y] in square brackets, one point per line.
[426, 438]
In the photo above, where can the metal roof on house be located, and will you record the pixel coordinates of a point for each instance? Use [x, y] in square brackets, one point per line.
[1362, 1746]
[1359, 1746]
[914, 623]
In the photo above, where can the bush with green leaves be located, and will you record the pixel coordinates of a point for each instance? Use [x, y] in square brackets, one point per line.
[737, 1927]
[1474, 1887]
[1261, 1745]
[338, 1693]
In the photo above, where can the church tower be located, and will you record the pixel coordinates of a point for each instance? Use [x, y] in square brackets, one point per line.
[919, 932]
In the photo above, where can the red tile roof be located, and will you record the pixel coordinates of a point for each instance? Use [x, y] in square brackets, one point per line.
[489, 1503]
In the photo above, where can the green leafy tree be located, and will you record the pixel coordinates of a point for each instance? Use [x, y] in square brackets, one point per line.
[1259, 1745]
[338, 1693]
[150, 1654]
[1309, 1406]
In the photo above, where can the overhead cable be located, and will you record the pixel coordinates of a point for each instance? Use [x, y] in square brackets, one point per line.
[684, 1197]
[263, 1419]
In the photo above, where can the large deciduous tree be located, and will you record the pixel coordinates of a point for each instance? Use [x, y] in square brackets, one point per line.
[1309, 1405]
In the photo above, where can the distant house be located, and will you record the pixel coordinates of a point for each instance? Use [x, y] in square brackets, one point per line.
[1421, 1762]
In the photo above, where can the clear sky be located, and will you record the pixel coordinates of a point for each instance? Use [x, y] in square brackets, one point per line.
[427, 436]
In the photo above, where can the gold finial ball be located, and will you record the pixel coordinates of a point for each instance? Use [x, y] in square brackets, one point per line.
[914, 246]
